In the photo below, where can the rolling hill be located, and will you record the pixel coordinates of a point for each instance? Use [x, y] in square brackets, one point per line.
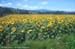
[6, 10]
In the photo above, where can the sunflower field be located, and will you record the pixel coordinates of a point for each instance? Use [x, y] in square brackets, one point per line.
[38, 31]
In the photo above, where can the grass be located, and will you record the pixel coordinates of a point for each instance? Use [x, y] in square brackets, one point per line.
[66, 41]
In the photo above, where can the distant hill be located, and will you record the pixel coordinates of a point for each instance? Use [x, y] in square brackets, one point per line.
[5, 10]
[44, 11]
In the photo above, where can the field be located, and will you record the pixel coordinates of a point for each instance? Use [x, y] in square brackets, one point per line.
[38, 31]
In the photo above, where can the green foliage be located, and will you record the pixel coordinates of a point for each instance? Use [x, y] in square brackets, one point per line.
[58, 36]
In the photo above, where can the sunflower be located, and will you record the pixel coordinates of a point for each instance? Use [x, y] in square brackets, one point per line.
[38, 23]
[8, 22]
[57, 17]
[42, 27]
[12, 23]
[13, 29]
[24, 20]
[60, 21]
[50, 23]
[29, 31]
[31, 20]
[67, 24]
[49, 18]
[70, 21]
[35, 18]
[2, 22]
[1, 28]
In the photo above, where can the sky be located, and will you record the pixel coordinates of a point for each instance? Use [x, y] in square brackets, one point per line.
[62, 5]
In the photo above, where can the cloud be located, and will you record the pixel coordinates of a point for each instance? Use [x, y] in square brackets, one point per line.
[30, 7]
[33, 7]
[45, 2]
[6, 4]
[41, 7]
[25, 6]
[19, 4]
[1, 5]
[25, 0]
[69, 9]
[9, 3]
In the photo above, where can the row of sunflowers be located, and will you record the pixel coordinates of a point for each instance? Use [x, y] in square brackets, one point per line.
[20, 28]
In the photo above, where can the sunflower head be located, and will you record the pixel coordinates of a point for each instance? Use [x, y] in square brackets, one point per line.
[38, 23]
[42, 27]
[60, 21]
[1, 28]
[70, 21]
[67, 24]
[12, 23]
[49, 25]
[29, 31]
[24, 20]
[49, 18]
[2, 22]
[13, 29]
[52, 22]
[31, 20]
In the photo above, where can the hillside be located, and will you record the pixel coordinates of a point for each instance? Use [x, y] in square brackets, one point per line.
[5, 10]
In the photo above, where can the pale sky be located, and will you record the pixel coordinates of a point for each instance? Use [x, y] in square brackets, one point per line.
[64, 5]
